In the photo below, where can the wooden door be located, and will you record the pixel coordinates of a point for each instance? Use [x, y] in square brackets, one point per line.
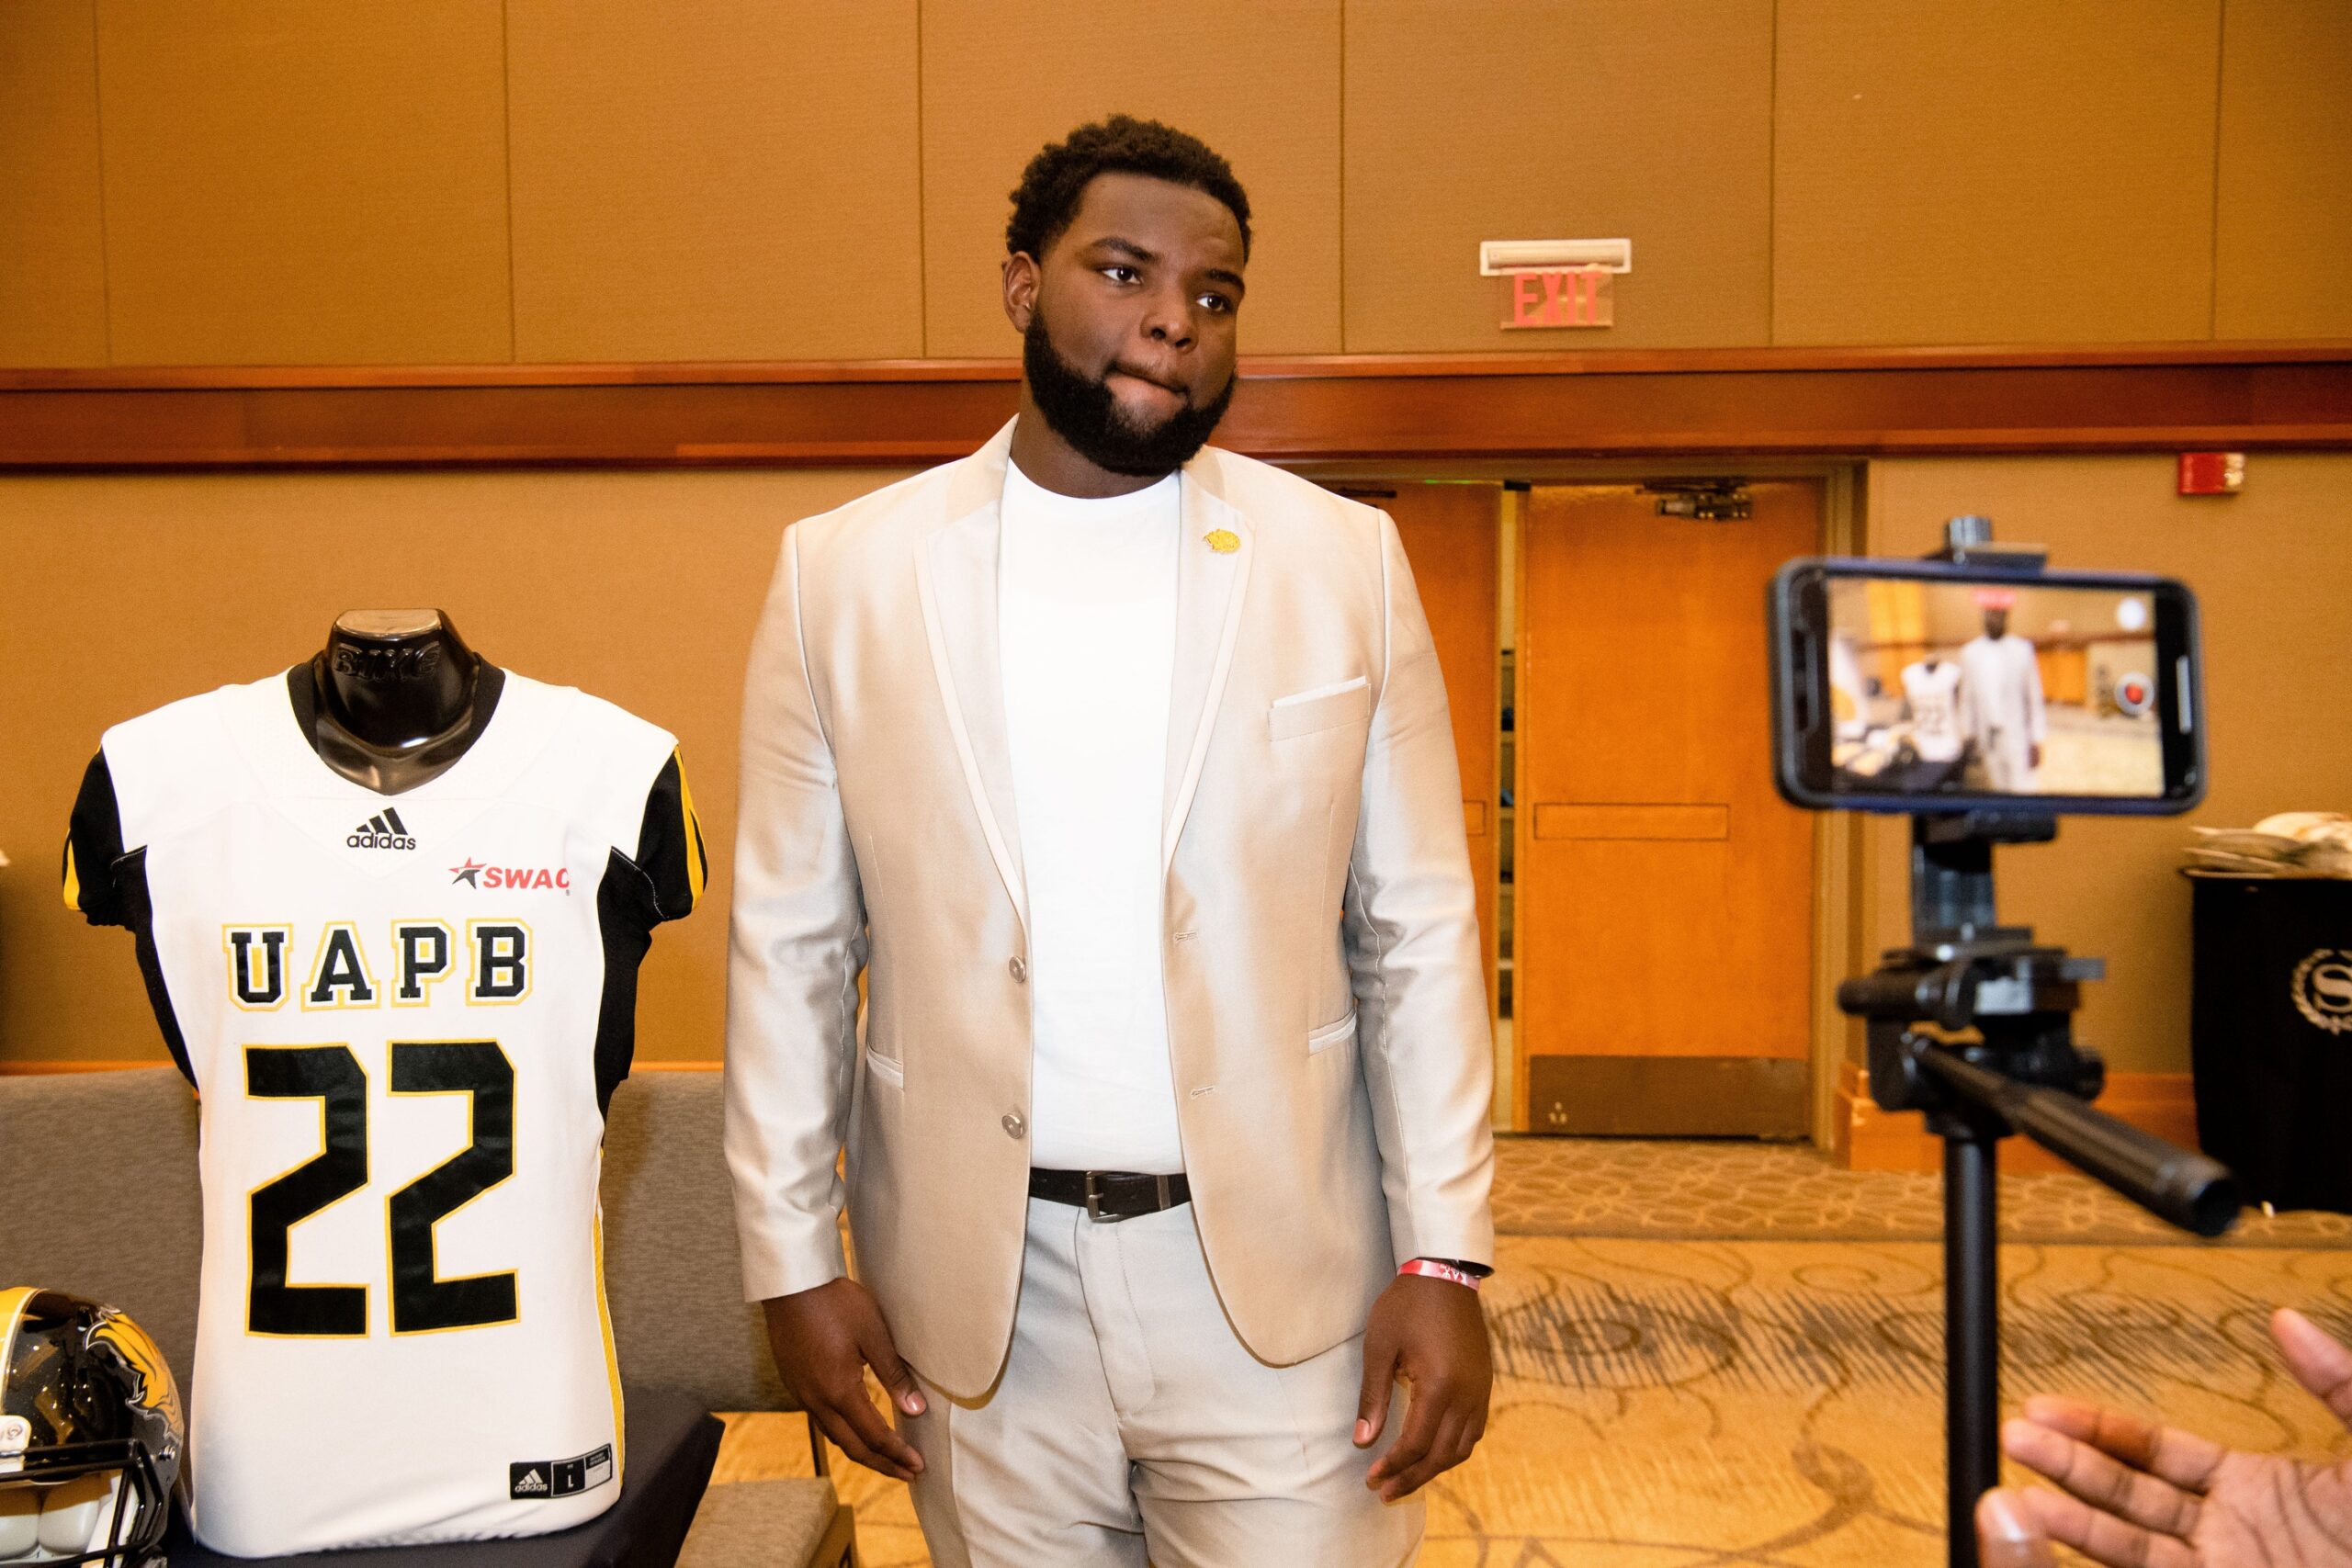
[1452, 539]
[1663, 930]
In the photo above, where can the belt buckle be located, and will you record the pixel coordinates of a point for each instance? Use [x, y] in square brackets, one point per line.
[1094, 1212]
[1094, 1200]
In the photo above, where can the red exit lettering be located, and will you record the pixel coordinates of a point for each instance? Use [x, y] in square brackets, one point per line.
[1562, 296]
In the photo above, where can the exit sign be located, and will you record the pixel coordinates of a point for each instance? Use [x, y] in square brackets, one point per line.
[1561, 297]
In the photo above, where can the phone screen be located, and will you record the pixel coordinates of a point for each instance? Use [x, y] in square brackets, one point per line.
[2002, 688]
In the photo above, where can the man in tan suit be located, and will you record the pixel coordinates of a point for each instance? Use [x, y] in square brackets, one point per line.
[1121, 766]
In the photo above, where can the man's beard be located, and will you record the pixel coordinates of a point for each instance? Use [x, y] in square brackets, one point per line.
[1084, 411]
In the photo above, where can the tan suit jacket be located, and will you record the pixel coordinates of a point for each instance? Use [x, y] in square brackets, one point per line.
[1326, 1002]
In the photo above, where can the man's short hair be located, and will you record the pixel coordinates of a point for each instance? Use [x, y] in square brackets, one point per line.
[1047, 199]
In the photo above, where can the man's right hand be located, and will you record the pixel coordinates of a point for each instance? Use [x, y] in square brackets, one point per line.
[823, 1339]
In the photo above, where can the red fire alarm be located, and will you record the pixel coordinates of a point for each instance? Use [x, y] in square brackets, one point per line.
[2212, 473]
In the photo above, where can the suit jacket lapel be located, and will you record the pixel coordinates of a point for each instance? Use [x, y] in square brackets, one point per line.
[1209, 587]
[956, 576]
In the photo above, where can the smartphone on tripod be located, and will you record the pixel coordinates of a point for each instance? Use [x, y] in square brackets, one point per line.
[1921, 686]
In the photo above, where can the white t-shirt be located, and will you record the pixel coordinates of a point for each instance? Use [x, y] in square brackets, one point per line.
[1934, 696]
[1087, 610]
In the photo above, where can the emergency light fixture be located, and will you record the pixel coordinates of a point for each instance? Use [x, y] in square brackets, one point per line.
[1500, 257]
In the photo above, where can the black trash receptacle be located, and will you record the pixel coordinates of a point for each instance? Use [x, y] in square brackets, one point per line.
[2270, 1035]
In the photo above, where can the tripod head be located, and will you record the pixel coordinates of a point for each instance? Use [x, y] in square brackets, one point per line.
[1966, 973]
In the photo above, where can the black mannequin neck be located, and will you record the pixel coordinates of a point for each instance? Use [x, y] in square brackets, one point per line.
[396, 697]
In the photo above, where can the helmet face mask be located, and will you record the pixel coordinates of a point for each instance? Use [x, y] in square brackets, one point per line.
[132, 1506]
[84, 1397]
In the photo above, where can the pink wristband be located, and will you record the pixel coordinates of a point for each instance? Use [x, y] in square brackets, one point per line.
[1430, 1269]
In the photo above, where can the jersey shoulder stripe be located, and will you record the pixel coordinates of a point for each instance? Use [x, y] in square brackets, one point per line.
[94, 846]
[670, 848]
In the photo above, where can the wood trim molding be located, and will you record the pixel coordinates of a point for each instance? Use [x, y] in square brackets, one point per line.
[1727, 403]
[1304, 366]
[1866, 1138]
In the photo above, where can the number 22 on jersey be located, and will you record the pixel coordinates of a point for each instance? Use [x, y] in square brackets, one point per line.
[420, 1300]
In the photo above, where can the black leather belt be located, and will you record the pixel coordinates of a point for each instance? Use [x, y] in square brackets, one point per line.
[1110, 1194]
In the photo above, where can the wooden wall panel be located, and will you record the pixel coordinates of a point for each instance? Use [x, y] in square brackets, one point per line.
[2014, 171]
[1531, 119]
[2285, 212]
[1259, 81]
[126, 592]
[289, 183]
[52, 232]
[2267, 566]
[714, 179]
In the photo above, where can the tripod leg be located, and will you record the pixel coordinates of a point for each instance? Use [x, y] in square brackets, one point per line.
[1972, 1336]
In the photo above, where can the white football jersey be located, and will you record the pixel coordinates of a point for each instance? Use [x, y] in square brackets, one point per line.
[1934, 696]
[403, 1016]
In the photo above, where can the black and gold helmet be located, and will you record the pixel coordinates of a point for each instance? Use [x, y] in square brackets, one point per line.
[91, 1435]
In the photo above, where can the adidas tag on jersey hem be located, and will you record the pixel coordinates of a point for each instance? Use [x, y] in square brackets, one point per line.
[535, 1479]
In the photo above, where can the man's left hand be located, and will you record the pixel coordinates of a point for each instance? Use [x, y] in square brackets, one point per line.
[2151, 1497]
[1431, 1334]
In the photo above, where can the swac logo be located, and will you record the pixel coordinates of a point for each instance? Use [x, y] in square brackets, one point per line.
[515, 879]
[2322, 988]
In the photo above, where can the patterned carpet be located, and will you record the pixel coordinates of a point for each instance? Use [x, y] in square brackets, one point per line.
[1731, 1354]
[1677, 1191]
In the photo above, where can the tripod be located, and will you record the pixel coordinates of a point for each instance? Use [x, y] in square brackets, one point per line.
[1965, 971]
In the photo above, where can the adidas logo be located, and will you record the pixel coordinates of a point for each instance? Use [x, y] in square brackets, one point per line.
[384, 831]
[529, 1481]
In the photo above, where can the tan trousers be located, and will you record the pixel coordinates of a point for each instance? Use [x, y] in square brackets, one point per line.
[1131, 1426]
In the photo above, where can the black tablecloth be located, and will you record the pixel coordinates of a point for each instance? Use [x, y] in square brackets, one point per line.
[672, 1444]
[2270, 1035]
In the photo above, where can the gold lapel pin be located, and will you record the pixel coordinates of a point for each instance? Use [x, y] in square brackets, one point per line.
[1224, 541]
